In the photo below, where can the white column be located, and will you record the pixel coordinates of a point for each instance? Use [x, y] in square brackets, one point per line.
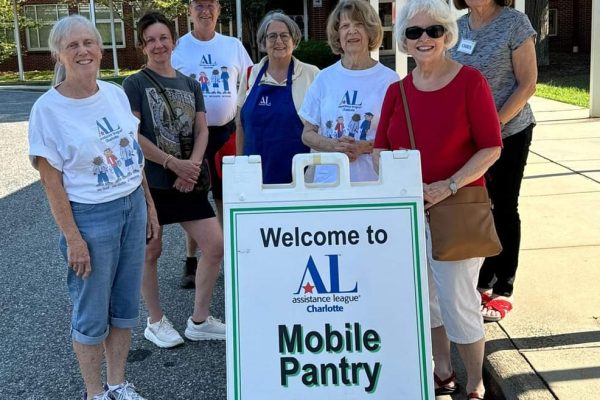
[375, 5]
[305, 6]
[401, 58]
[238, 18]
[520, 5]
[93, 12]
[595, 62]
[113, 40]
[18, 41]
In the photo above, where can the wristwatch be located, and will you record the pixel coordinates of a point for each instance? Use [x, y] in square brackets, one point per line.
[453, 187]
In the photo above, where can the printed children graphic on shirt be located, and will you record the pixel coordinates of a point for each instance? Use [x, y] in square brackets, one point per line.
[339, 126]
[329, 130]
[203, 82]
[106, 165]
[140, 154]
[114, 163]
[365, 126]
[215, 81]
[126, 153]
[353, 125]
[100, 169]
[225, 79]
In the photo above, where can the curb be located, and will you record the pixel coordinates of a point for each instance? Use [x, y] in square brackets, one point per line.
[25, 88]
[509, 374]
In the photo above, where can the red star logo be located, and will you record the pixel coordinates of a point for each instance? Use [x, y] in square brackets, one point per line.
[308, 288]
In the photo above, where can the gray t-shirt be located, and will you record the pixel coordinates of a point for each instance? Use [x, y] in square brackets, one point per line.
[156, 125]
[492, 55]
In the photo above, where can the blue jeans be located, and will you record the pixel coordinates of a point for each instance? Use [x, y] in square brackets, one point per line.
[504, 184]
[115, 233]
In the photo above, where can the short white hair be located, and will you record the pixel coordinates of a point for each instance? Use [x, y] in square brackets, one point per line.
[60, 32]
[439, 10]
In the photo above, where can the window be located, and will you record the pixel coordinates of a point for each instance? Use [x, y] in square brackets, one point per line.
[552, 22]
[386, 14]
[103, 23]
[43, 16]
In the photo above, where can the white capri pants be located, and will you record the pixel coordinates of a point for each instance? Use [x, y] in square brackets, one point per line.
[454, 301]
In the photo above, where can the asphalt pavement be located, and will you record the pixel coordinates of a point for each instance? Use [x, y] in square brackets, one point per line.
[36, 359]
[547, 348]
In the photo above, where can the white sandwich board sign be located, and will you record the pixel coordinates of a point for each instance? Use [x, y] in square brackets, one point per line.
[326, 286]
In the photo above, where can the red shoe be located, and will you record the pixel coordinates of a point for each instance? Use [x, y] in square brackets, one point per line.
[503, 306]
[474, 395]
[444, 387]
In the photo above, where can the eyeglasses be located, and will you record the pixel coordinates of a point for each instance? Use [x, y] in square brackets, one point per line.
[433, 31]
[284, 36]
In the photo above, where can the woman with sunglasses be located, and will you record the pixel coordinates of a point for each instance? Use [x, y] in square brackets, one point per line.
[457, 132]
[500, 42]
[341, 108]
[269, 98]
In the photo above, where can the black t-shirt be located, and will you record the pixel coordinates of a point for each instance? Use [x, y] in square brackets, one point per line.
[156, 124]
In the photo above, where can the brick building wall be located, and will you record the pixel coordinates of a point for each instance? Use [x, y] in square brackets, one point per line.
[573, 29]
[574, 25]
[128, 57]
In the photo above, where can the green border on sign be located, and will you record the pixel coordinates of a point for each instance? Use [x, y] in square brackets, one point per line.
[416, 273]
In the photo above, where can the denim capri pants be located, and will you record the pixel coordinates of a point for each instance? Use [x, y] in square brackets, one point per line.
[115, 233]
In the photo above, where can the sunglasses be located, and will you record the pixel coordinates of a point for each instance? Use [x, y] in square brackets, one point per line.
[433, 31]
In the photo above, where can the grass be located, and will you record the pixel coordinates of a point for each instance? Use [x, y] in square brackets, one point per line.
[43, 78]
[571, 89]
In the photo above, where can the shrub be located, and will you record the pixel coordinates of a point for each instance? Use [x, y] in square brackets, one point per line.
[315, 52]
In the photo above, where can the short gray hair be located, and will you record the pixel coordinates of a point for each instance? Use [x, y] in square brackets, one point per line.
[280, 16]
[439, 10]
[61, 31]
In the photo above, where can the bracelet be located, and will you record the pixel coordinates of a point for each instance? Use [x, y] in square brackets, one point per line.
[167, 160]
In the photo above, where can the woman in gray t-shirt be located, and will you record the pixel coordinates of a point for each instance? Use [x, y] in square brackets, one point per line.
[500, 42]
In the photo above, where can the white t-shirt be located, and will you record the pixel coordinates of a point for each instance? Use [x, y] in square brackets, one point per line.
[92, 141]
[347, 102]
[217, 64]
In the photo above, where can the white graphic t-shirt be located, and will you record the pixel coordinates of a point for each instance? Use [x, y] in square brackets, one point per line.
[344, 102]
[92, 141]
[217, 64]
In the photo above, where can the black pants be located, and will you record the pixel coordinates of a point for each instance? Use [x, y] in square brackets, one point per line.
[504, 184]
[217, 137]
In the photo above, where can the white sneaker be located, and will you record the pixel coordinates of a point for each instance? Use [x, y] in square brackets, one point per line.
[162, 334]
[211, 329]
[126, 391]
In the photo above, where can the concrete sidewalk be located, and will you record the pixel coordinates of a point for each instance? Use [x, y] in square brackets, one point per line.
[548, 347]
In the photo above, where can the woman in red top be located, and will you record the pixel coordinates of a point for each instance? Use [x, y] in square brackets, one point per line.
[457, 132]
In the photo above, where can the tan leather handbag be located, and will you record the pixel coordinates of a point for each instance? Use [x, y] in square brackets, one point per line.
[462, 225]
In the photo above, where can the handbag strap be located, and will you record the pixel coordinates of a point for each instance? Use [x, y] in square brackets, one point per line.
[407, 114]
[161, 91]
[186, 144]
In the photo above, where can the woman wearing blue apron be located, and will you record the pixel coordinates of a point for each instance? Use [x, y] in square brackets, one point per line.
[269, 124]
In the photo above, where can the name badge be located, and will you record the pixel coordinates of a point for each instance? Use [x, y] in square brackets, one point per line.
[466, 46]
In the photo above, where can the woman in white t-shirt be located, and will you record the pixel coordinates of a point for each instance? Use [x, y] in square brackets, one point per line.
[83, 141]
[341, 108]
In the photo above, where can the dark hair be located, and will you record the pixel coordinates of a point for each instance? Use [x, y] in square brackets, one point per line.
[462, 4]
[151, 18]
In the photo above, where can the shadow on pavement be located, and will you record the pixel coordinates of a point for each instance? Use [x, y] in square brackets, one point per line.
[36, 359]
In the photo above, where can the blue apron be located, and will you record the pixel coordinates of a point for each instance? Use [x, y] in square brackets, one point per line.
[272, 128]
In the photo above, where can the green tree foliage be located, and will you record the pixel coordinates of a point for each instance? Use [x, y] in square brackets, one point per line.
[171, 8]
[7, 37]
